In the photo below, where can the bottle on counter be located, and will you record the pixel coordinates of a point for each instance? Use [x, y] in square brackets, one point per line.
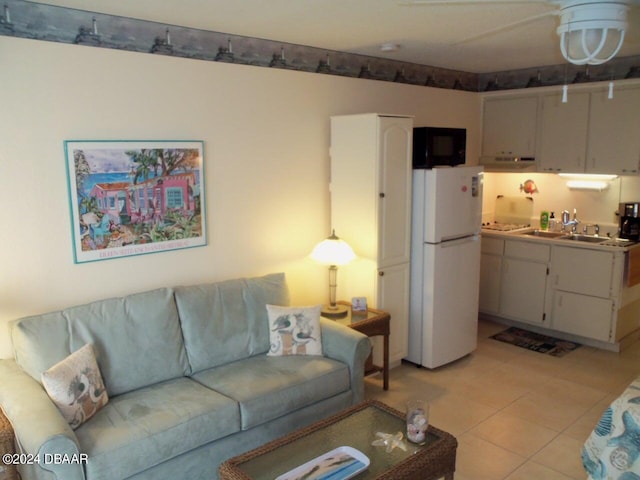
[544, 220]
[552, 222]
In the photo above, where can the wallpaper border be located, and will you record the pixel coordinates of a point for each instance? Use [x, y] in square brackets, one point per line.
[21, 18]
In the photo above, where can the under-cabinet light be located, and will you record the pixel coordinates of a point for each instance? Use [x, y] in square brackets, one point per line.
[588, 181]
[598, 185]
[588, 176]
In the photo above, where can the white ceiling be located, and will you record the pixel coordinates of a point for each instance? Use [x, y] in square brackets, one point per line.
[426, 34]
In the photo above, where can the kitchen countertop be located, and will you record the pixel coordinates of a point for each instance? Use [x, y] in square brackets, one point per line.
[610, 245]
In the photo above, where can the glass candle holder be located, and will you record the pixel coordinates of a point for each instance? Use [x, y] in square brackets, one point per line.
[417, 421]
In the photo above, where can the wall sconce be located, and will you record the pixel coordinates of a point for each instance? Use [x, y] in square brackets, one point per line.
[333, 252]
[577, 181]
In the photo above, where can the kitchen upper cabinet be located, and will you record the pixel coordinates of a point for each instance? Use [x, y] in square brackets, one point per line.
[614, 132]
[509, 126]
[563, 133]
[591, 133]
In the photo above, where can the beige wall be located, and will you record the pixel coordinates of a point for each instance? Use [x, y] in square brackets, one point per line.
[266, 137]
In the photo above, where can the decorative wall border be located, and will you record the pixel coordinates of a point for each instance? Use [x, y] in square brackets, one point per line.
[21, 18]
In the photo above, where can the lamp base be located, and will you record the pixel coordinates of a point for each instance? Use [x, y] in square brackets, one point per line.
[337, 311]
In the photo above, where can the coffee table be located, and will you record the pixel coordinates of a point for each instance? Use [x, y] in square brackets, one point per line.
[355, 427]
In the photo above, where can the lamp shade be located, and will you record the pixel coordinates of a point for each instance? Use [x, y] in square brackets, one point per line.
[333, 251]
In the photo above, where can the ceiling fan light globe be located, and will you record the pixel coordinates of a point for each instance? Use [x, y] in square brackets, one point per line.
[592, 33]
[592, 46]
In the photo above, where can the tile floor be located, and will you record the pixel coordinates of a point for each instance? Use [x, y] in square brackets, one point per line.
[517, 415]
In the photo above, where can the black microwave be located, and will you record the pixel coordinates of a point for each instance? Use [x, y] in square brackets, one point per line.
[434, 146]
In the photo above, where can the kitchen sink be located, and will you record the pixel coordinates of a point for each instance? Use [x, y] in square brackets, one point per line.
[544, 234]
[576, 237]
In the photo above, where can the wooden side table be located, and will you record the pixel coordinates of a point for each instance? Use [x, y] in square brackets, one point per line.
[372, 323]
[7, 472]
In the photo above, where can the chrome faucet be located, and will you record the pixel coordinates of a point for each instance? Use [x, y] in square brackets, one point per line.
[566, 222]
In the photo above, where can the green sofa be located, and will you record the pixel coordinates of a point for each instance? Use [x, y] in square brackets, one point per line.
[188, 379]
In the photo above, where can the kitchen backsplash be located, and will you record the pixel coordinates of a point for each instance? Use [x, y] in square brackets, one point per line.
[553, 195]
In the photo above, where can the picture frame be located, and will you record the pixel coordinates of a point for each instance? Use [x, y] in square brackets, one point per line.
[359, 304]
[135, 197]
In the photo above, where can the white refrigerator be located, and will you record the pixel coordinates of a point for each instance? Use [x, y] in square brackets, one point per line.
[445, 264]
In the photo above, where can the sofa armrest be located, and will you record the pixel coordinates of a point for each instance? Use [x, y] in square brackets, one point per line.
[348, 346]
[40, 429]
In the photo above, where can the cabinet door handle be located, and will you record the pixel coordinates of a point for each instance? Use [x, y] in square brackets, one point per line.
[381, 273]
[381, 194]
[560, 300]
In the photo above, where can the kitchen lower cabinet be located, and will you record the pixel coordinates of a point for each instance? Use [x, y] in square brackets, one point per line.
[492, 250]
[524, 281]
[582, 315]
[575, 290]
[523, 290]
[588, 272]
[513, 279]
[490, 277]
[584, 291]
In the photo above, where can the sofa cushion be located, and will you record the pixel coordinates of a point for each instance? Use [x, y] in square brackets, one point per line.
[137, 339]
[227, 321]
[270, 387]
[75, 386]
[294, 330]
[140, 429]
[39, 342]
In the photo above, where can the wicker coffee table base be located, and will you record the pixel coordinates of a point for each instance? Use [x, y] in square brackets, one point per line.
[7, 472]
[436, 461]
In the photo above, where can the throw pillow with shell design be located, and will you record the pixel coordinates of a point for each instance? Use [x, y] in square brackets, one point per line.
[75, 385]
[294, 330]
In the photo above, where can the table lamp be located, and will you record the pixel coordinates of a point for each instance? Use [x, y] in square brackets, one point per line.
[333, 252]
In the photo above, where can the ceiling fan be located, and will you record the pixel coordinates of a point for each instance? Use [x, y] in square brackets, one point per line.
[591, 31]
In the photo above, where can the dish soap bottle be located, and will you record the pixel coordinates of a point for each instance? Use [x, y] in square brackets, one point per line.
[544, 220]
[552, 222]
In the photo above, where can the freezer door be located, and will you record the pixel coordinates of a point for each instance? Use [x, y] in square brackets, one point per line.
[450, 300]
[452, 203]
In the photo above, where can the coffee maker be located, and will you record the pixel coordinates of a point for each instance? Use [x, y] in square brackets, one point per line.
[630, 220]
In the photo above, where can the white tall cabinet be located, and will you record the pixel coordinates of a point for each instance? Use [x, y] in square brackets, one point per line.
[371, 159]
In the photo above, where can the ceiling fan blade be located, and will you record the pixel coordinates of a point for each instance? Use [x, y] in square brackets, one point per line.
[422, 3]
[507, 26]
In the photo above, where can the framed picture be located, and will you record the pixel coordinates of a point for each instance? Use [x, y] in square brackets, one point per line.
[135, 197]
[359, 304]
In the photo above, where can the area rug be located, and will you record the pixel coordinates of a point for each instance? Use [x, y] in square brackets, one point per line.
[535, 342]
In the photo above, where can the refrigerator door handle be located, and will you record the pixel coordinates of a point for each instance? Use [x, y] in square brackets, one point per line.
[458, 241]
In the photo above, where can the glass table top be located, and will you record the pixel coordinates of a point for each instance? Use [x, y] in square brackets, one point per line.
[354, 317]
[357, 430]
